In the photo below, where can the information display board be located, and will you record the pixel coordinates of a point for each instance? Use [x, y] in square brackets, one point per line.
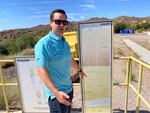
[31, 87]
[95, 44]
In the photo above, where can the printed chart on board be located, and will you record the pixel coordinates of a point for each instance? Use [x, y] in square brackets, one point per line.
[96, 61]
[31, 87]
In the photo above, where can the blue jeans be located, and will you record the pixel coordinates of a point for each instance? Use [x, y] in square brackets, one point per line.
[56, 107]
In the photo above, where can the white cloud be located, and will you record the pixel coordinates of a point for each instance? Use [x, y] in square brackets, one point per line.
[38, 16]
[45, 2]
[75, 16]
[88, 6]
[90, 1]
[34, 9]
[72, 18]
[41, 12]
[82, 17]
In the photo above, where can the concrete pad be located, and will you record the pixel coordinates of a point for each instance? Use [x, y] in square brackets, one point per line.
[142, 52]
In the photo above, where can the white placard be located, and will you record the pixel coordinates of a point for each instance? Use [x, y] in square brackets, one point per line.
[31, 87]
[95, 43]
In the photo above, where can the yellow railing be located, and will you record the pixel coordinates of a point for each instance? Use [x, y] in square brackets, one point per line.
[128, 82]
[3, 84]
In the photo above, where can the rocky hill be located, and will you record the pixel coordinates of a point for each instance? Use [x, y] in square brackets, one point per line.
[36, 31]
[133, 21]
[41, 30]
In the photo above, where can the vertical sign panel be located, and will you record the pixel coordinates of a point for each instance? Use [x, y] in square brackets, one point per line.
[95, 43]
[31, 86]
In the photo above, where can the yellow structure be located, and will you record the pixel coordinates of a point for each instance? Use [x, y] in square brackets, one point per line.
[71, 38]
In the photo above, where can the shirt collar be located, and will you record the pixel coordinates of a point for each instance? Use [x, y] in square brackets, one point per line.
[55, 36]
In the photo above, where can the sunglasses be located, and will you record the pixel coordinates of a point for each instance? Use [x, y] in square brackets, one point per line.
[59, 22]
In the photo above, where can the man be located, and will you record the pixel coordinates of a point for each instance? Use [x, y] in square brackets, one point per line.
[53, 60]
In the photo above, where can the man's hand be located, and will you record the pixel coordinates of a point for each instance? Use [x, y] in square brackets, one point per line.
[82, 75]
[63, 98]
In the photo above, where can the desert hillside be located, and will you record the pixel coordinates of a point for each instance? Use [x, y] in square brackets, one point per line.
[41, 30]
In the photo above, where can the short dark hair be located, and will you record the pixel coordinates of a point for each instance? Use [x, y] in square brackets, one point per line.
[57, 11]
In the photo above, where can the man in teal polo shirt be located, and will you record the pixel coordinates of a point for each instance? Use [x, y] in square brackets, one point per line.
[54, 60]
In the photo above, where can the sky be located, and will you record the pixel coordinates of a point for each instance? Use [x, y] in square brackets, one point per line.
[15, 14]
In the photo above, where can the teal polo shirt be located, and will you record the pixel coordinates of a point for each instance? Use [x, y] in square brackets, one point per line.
[53, 53]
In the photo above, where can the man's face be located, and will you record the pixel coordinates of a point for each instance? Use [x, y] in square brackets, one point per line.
[59, 24]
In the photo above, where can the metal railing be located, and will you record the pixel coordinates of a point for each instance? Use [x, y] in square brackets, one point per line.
[3, 84]
[128, 84]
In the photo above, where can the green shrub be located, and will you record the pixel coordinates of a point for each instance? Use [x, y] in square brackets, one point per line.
[3, 50]
[4, 47]
[143, 26]
[12, 46]
[121, 26]
[25, 41]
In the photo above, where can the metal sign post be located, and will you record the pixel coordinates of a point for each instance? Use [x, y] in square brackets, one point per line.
[95, 45]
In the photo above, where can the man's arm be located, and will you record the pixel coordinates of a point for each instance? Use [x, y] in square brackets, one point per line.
[78, 69]
[61, 96]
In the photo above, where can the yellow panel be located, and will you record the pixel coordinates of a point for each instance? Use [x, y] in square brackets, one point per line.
[71, 38]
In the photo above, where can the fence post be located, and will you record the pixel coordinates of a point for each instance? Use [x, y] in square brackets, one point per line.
[139, 87]
[128, 68]
[3, 88]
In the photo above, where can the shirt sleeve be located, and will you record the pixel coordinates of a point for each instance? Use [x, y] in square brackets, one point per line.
[41, 55]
